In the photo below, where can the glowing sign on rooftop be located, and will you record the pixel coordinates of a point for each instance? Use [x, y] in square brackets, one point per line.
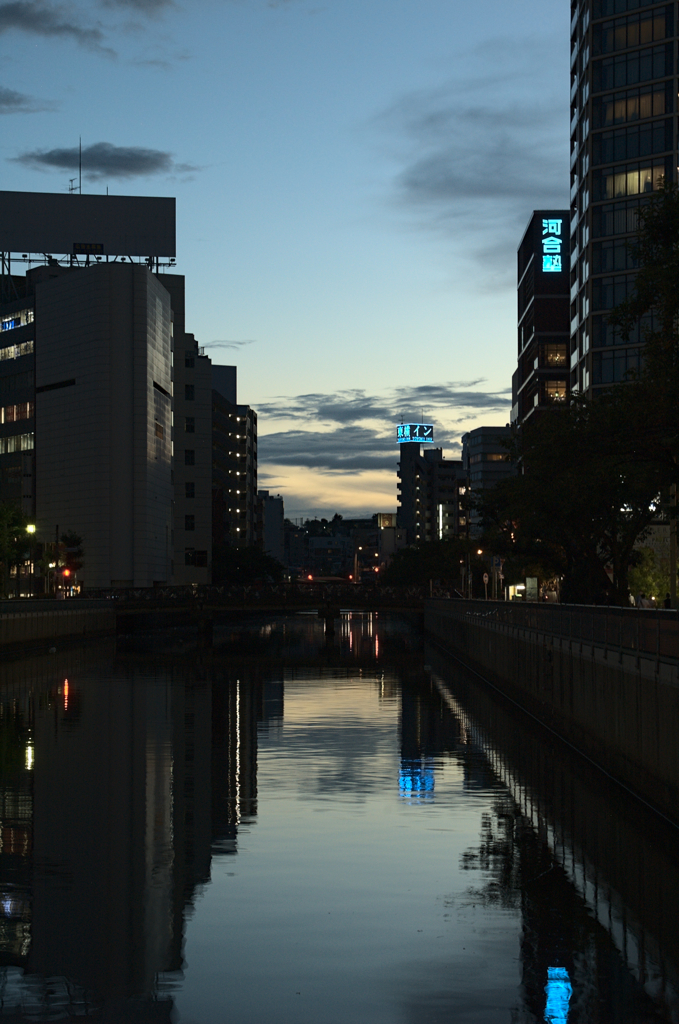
[420, 433]
[552, 244]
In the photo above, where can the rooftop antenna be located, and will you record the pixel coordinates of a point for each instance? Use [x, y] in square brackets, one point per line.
[72, 186]
[80, 164]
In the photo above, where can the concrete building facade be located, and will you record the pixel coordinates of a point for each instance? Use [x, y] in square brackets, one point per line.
[541, 379]
[103, 415]
[484, 461]
[430, 493]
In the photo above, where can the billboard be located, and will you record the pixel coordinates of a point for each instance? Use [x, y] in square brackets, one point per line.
[420, 433]
[72, 224]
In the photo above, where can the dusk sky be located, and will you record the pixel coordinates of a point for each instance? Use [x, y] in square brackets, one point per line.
[353, 178]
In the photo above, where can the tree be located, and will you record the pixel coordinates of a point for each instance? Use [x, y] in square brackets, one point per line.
[584, 500]
[243, 566]
[431, 560]
[13, 540]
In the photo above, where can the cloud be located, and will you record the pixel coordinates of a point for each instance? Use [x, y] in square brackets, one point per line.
[355, 405]
[360, 429]
[350, 450]
[228, 344]
[148, 7]
[103, 160]
[480, 153]
[38, 18]
[12, 102]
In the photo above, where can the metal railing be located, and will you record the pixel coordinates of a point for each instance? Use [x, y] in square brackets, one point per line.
[649, 631]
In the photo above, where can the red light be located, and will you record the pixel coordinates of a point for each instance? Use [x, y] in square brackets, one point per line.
[67, 572]
[309, 577]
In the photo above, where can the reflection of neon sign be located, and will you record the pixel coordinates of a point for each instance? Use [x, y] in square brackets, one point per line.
[559, 992]
[552, 242]
[416, 779]
[418, 432]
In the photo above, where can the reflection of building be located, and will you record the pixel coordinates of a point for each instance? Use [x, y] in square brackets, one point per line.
[623, 143]
[105, 834]
[541, 378]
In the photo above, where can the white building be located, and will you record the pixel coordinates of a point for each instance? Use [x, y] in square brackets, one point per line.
[103, 386]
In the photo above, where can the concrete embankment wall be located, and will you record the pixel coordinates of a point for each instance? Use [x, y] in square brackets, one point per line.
[36, 623]
[618, 706]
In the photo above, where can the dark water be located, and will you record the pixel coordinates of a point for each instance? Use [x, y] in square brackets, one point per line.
[300, 828]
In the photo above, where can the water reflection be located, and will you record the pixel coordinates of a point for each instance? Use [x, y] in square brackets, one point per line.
[298, 826]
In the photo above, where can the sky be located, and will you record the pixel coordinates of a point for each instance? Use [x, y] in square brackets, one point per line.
[353, 178]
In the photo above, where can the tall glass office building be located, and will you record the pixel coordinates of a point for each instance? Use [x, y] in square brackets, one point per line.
[623, 143]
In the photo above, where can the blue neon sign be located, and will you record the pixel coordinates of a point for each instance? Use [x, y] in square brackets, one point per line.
[552, 244]
[421, 433]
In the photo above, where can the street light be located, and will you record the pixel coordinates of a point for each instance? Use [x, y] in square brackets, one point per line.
[30, 530]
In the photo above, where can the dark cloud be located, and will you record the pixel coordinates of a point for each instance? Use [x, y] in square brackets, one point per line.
[149, 7]
[355, 405]
[103, 160]
[479, 154]
[349, 450]
[12, 102]
[41, 19]
[228, 344]
[352, 446]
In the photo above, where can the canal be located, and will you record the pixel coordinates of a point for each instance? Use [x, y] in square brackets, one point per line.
[294, 826]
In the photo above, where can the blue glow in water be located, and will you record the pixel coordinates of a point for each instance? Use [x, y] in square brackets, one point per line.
[559, 992]
[416, 779]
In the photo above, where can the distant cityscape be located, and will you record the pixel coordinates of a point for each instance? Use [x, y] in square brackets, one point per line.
[118, 429]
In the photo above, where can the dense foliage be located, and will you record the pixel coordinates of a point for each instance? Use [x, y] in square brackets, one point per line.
[244, 566]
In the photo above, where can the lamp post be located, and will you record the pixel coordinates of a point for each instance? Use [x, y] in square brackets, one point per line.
[30, 530]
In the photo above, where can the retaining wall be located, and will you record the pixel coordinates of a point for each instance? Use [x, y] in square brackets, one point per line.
[31, 627]
[618, 705]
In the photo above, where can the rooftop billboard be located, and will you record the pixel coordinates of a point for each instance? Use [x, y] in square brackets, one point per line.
[46, 222]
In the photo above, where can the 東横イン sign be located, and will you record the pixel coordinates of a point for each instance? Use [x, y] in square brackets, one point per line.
[552, 243]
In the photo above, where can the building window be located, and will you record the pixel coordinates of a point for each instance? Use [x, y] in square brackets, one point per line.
[189, 425]
[14, 351]
[14, 413]
[17, 443]
[189, 522]
[631, 68]
[189, 457]
[189, 489]
[629, 179]
[189, 361]
[633, 105]
[189, 392]
[554, 354]
[555, 390]
[159, 429]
